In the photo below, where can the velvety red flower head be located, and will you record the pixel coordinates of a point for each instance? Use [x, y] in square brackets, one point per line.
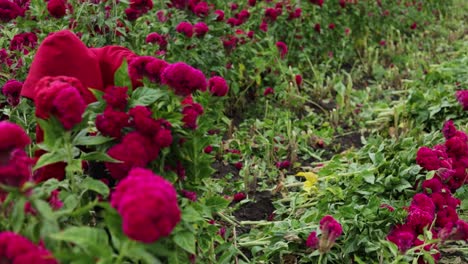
[185, 28]
[17, 249]
[132, 151]
[317, 2]
[192, 196]
[191, 112]
[433, 185]
[183, 78]
[403, 236]
[201, 9]
[298, 79]
[218, 86]
[200, 29]
[12, 136]
[428, 158]
[312, 241]
[179, 4]
[57, 8]
[156, 38]
[15, 168]
[282, 48]
[423, 202]
[462, 97]
[456, 231]
[445, 199]
[9, 11]
[456, 147]
[446, 216]
[146, 66]
[111, 122]
[449, 130]
[271, 14]
[418, 219]
[69, 107]
[219, 15]
[147, 204]
[239, 197]
[116, 97]
[268, 91]
[331, 230]
[23, 41]
[11, 90]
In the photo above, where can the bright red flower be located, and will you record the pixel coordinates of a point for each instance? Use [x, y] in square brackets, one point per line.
[146, 66]
[57, 8]
[147, 204]
[183, 79]
[218, 86]
[15, 168]
[403, 236]
[111, 122]
[282, 48]
[17, 249]
[186, 28]
[268, 91]
[12, 136]
[200, 29]
[239, 197]
[312, 241]
[69, 107]
[11, 90]
[116, 97]
[219, 15]
[9, 11]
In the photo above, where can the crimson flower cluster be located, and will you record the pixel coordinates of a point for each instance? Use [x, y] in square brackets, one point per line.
[17, 249]
[11, 90]
[15, 165]
[147, 204]
[57, 8]
[462, 97]
[330, 229]
[9, 10]
[435, 208]
[21, 42]
[200, 29]
[138, 8]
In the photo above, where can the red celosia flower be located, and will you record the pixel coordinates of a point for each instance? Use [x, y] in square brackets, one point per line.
[445, 216]
[201, 9]
[268, 91]
[462, 97]
[449, 130]
[428, 158]
[156, 38]
[239, 165]
[434, 185]
[183, 79]
[163, 138]
[69, 107]
[242, 16]
[200, 29]
[317, 2]
[233, 6]
[317, 28]
[15, 168]
[219, 15]
[403, 236]
[239, 197]
[192, 196]
[331, 26]
[186, 28]
[423, 202]
[264, 26]
[12, 136]
[54, 200]
[23, 41]
[55, 170]
[218, 86]
[146, 66]
[147, 204]
[111, 122]
[455, 231]
[331, 230]
[9, 11]
[116, 97]
[283, 164]
[456, 147]
[298, 79]
[445, 199]
[11, 90]
[252, 2]
[132, 151]
[191, 113]
[271, 14]
[312, 241]
[418, 219]
[414, 26]
[296, 14]
[57, 8]
[17, 249]
[179, 4]
[282, 48]
[208, 149]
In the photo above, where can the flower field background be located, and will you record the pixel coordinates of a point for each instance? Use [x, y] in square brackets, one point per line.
[273, 131]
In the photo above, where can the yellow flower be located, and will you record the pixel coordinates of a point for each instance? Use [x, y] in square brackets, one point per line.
[311, 181]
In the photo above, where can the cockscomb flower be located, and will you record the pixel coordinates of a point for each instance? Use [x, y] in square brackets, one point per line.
[54, 200]
[192, 196]
[423, 202]
[17, 249]
[69, 107]
[432, 186]
[447, 215]
[12, 136]
[146, 66]
[57, 8]
[219, 15]
[331, 230]
[454, 231]
[111, 122]
[268, 91]
[283, 164]
[312, 241]
[462, 97]
[11, 90]
[428, 158]
[183, 79]
[317, 2]
[218, 86]
[9, 11]
[200, 29]
[156, 38]
[15, 168]
[23, 41]
[449, 130]
[282, 48]
[201, 9]
[239, 197]
[186, 28]
[116, 97]
[191, 112]
[147, 204]
[298, 79]
[418, 219]
[403, 236]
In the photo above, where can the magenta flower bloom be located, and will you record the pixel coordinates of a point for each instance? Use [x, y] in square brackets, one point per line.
[449, 130]
[418, 219]
[298, 79]
[15, 168]
[268, 91]
[428, 158]
[331, 230]
[239, 197]
[12, 136]
[147, 204]
[200, 29]
[146, 66]
[219, 15]
[462, 97]
[116, 97]
[183, 79]
[218, 86]
[312, 241]
[192, 196]
[403, 236]
[111, 122]
[185, 28]
[9, 11]
[423, 202]
[432, 186]
[282, 48]
[17, 249]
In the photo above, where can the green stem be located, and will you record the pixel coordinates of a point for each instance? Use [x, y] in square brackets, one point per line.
[320, 258]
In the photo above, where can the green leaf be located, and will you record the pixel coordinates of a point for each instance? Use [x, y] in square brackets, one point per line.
[145, 96]
[91, 140]
[121, 77]
[185, 240]
[49, 158]
[138, 253]
[92, 240]
[98, 156]
[216, 203]
[95, 185]
[17, 215]
[53, 132]
[44, 209]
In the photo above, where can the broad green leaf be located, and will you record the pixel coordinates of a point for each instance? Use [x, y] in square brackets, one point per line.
[145, 96]
[92, 240]
[121, 76]
[48, 158]
[91, 140]
[185, 240]
[216, 203]
[95, 185]
[98, 156]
